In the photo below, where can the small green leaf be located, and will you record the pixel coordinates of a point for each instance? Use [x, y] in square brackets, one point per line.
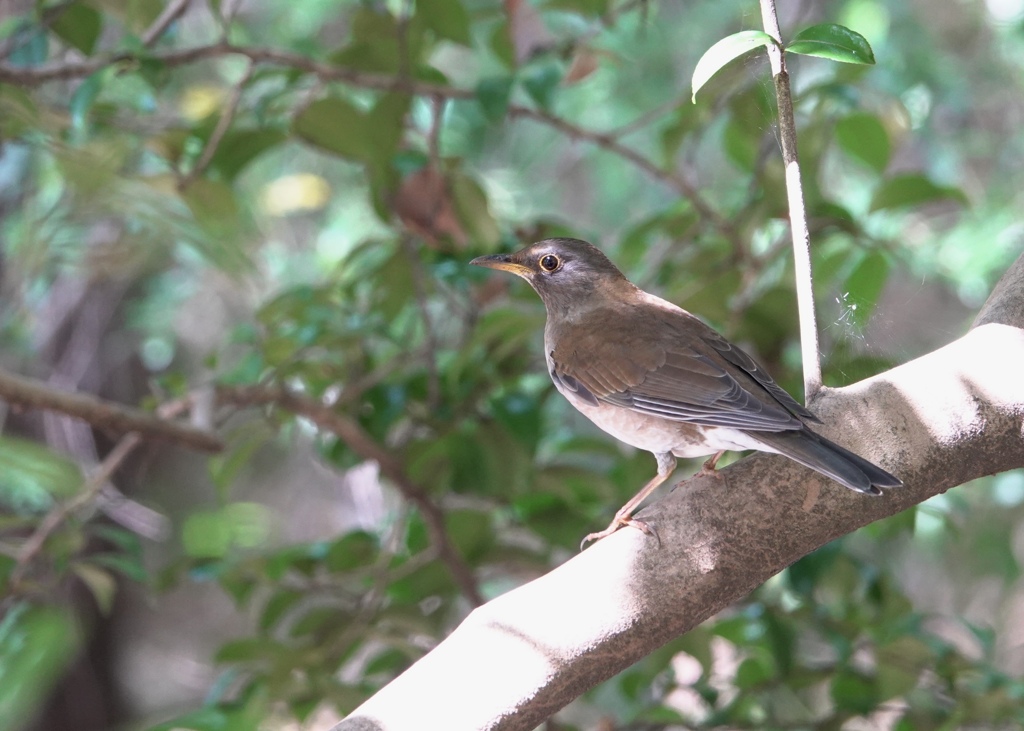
[540, 83]
[242, 146]
[447, 18]
[863, 137]
[83, 98]
[493, 94]
[832, 41]
[335, 125]
[277, 607]
[352, 551]
[213, 205]
[726, 50]
[100, 584]
[854, 693]
[912, 189]
[501, 45]
[78, 25]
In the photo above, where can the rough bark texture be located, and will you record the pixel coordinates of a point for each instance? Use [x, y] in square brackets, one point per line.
[937, 422]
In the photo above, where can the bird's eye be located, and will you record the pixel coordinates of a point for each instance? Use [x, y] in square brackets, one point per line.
[549, 262]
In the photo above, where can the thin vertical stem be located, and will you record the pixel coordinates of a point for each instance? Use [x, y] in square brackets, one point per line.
[797, 210]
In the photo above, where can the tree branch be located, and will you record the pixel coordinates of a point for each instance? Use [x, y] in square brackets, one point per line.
[227, 116]
[171, 12]
[797, 211]
[353, 435]
[938, 421]
[34, 394]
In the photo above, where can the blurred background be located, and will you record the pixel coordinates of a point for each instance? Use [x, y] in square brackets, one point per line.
[258, 216]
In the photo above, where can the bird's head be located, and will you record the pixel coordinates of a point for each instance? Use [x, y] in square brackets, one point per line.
[568, 274]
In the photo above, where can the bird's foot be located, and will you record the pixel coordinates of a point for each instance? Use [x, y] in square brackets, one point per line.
[618, 522]
[708, 469]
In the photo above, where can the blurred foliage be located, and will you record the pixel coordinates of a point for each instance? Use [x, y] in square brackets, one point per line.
[287, 195]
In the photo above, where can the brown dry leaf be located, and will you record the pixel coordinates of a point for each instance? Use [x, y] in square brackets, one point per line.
[423, 203]
[526, 29]
[584, 63]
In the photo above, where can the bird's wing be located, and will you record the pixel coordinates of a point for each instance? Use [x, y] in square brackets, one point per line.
[689, 374]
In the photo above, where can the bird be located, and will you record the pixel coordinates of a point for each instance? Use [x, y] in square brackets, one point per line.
[659, 378]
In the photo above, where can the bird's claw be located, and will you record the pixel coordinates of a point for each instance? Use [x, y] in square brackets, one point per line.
[710, 467]
[619, 522]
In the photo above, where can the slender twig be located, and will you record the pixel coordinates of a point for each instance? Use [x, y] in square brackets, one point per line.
[217, 136]
[31, 393]
[171, 12]
[647, 118]
[356, 438]
[797, 211]
[607, 142]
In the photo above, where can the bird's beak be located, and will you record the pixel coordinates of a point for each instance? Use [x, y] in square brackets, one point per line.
[503, 262]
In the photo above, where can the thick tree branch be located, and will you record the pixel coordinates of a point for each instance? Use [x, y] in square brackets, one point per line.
[797, 210]
[107, 415]
[353, 435]
[937, 422]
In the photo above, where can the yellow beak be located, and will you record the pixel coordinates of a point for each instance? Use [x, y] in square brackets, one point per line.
[503, 262]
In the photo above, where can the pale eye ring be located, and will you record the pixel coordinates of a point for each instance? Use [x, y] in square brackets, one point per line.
[549, 262]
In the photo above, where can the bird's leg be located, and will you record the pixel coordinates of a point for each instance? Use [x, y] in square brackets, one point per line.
[624, 516]
[708, 468]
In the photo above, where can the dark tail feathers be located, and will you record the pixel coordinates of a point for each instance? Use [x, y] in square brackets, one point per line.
[831, 460]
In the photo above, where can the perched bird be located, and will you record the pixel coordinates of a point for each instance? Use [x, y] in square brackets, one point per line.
[654, 376]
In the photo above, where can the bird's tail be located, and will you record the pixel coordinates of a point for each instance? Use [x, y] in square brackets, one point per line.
[831, 460]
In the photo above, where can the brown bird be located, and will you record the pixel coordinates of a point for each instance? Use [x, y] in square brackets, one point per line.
[654, 376]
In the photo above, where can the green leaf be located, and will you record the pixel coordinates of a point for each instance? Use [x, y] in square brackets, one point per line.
[832, 41]
[741, 145]
[385, 124]
[501, 45]
[863, 137]
[854, 693]
[335, 125]
[352, 551]
[36, 644]
[130, 566]
[493, 95]
[246, 650]
[447, 18]
[100, 584]
[78, 25]
[753, 672]
[540, 82]
[240, 147]
[726, 50]
[912, 189]
[471, 206]
[865, 284]
[18, 112]
[277, 607]
[84, 96]
[30, 474]
[215, 208]
[471, 532]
